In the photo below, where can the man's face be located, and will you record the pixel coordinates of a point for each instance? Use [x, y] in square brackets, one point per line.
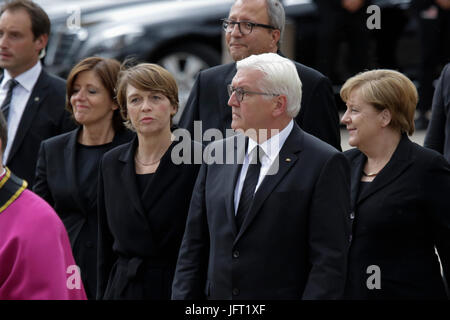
[19, 51]
[260, 40]
[254, 111]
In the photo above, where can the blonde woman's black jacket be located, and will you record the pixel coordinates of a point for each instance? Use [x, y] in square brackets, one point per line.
[398, 221]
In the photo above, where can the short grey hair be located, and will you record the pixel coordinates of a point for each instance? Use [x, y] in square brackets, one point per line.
[277, 17]
[280, 77]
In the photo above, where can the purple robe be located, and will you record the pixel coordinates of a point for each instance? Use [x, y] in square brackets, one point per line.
[36, 261]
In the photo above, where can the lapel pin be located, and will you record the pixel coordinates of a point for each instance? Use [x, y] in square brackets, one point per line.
[288, 159]
[36, 99]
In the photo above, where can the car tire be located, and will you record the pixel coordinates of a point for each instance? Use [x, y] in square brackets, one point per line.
[184, 62]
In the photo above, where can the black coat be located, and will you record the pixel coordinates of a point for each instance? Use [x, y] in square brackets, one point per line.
[292, 244]
[209, 97]
[398, 220]
[438, 134]
[56, 182]
[44, 117]
[137, 250]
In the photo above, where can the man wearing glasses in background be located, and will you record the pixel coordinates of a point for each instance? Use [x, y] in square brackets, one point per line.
[255, 27]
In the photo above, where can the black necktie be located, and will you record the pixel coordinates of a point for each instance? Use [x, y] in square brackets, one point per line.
[7, 102]
[248, 190]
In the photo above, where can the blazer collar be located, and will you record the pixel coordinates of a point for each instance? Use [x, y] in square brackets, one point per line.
[128, 175]
[399, 162]
[166, 173]
[38, 94]
[70, 167]
[286, 159]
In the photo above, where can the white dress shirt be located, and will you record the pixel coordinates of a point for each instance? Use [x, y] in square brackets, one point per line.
[271, 148]
[19, 99]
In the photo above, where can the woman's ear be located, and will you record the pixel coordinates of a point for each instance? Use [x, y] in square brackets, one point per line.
[386, 117]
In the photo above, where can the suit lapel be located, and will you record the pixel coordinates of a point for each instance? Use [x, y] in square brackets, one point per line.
[286, 159]
[165, 175]
[224, 109]
[70, 167]
[399, 162]
[240, 144]
[356, 172]
[128, 176]
[37, 96]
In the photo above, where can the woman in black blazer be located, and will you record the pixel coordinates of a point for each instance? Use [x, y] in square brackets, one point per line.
[67, 168]
[144, 194]
[400, 194]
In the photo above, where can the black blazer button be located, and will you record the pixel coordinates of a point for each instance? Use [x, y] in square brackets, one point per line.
[236, 254]
[235, 292]
[89, 244]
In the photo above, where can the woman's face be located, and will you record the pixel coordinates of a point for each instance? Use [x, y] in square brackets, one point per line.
[149, 111]
[90, 100]
[363, 121]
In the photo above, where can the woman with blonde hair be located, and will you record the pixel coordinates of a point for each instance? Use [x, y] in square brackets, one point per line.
[400, 211]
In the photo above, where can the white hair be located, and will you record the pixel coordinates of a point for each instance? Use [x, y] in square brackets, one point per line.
[280, 77]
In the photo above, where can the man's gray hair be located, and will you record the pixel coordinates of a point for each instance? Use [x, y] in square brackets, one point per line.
[280, 77]
[277, 17]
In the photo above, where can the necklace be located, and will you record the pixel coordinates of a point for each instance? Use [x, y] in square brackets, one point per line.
[370, 174]
[146, 164]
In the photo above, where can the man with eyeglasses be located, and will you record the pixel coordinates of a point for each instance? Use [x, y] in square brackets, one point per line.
[255, 27]
[271, 224]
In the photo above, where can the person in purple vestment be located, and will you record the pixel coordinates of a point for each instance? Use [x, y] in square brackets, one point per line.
[36, 261]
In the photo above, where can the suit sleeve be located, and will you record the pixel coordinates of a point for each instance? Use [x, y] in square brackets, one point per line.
[191, 110]
[40, 186]
[105, 254]
[438, 181]
[321, 118]
[328, 231]
[190, 275]
[435, 137]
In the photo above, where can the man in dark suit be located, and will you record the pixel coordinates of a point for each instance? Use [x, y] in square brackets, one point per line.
[31, 100]
[271, 224]
[438, 133]
[260, 33]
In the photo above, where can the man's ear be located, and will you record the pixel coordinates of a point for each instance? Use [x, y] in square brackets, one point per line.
[276, 35]
[41, 42]
[280, 106]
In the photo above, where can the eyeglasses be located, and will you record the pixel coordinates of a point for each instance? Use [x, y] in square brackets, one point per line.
[245, 27]
[239, 92]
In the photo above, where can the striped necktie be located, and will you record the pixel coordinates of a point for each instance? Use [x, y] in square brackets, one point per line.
[7, 102]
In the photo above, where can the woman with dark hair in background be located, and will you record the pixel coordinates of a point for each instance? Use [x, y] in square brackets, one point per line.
[67, 168]
[144, 194]
[400, 209]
